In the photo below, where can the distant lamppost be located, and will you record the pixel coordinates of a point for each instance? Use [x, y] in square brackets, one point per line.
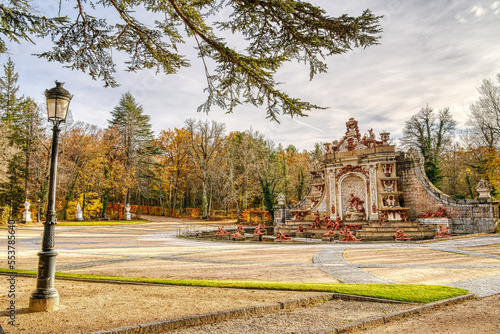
[45, 297]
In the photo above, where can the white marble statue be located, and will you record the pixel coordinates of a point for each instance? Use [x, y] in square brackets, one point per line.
[127, 212]
[26, 212]
[78, 213]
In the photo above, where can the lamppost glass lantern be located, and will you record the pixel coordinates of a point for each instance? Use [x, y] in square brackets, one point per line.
[58, 100]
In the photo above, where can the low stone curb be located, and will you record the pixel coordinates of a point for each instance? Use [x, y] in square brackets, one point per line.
[379, 320]
[195, 320]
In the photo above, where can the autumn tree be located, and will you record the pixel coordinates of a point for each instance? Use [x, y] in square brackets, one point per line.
[174, 148]
[299, 166]
[269, 33]
[269, 173]
[80, 162]
[115, 178]
[206, 140]
[431, 134]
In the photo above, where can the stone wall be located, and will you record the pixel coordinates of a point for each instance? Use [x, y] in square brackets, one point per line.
[420, 196]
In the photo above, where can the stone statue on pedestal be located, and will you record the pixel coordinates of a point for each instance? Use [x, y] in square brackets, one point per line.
[26, 212]
[78, 213]
[127, 212]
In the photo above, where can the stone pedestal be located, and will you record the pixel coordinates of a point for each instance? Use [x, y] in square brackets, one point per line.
[222, 237]
[44, 305]
[257, 237]
[27, 217]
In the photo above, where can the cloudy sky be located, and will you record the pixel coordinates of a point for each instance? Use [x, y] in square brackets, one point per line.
[431, 52]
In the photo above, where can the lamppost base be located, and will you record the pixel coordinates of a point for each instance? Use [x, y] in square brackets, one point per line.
[41, 302]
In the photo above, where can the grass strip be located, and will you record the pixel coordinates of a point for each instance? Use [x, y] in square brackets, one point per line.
[413, 293]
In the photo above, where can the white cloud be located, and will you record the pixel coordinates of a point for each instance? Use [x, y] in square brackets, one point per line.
[460, 18]
[478, 11]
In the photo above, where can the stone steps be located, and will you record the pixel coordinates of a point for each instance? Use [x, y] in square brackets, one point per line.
[372, 231]
[386, 235]
[399, 224]
[393, 229]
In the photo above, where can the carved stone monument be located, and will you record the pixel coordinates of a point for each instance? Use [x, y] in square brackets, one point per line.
[127, 212]
[363, 180]
[78, 213]
[27, 213]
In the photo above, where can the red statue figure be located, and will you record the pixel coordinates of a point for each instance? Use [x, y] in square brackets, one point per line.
[355, 203]
[283, 237]
[337, 224]
[317, 222]
[240, 228]
[443, 232]
[237, 235]
[348, 236]
[257, 230]
[400, 235]
[328, 222]
[221, 231]
[300, 229]
[330, 234]
[440, 213]
[383, 216]
[403, 215]
[296, 216]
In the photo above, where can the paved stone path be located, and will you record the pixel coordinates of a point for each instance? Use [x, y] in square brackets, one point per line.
[331, 261]
[482, 286]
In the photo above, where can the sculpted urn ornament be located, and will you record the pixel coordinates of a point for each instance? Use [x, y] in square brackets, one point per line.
[281, 199]
[483, 188]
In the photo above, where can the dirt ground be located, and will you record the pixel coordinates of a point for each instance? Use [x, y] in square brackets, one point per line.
[87, 307]
[187, 270]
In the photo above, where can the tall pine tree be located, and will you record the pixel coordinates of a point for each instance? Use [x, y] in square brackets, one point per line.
[136, 141]
[22, 124]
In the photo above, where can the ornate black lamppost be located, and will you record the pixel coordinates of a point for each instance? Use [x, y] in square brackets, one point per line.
[45, 297]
